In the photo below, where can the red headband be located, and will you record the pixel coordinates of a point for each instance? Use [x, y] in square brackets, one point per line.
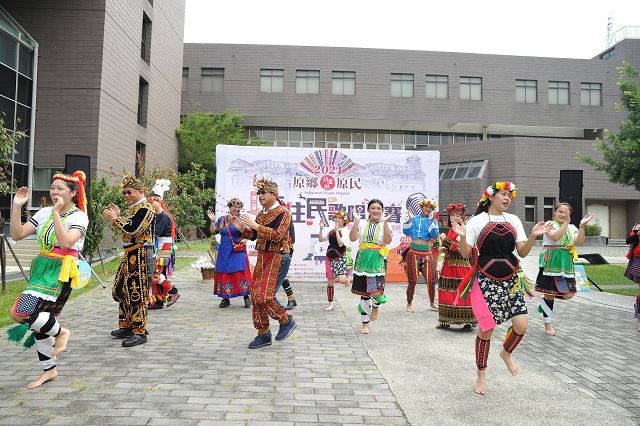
[79, 178]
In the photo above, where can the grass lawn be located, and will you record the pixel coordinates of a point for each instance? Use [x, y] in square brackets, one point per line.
[607, 274]
[624, 291]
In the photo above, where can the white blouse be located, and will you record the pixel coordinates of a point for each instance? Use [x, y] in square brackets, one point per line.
[76, 219]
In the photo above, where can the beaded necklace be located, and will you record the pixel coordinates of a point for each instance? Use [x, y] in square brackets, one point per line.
[47, 239]
[567, 237]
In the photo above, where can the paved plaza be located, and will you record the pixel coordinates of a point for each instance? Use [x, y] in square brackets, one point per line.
[197, 369]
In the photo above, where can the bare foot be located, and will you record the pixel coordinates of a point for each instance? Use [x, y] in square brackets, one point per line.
[364, 329]
[409, 307]
[330, 307]
[548, 328]
[434, 307]
[374, 314]
[511, 366]
[481, 383]
[45, 377]
[61, 341]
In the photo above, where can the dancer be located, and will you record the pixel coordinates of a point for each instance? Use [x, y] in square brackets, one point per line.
[556, 277]
[131, 286]
[418, 258]
[161, 289]
[633, 268]
[61, 232]
[455, 267]
[370, 265]
[495, 284]
[233, 274]
[270, 229]
[335, 262]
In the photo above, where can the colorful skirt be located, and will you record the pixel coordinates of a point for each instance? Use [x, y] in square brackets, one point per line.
[420, 260]
[336, 268]
[454, 268]
[633, 270]
[368, 272]
[228, 285]
[494, 302]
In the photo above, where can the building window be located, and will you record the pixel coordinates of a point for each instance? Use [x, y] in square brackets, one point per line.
[141, 154]
[471, 88]
[549, 204]
[308, 82]
[527, 91]
[591, 94]
[143, 99]
[343, 83]
[402, 85]
[211, 79]
[437, 86]
[462, 170]
[145, 44]
[271, 81]
[530, 209]
[559, 93]
[185, 79]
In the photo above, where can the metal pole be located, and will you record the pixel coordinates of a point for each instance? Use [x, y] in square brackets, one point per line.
[101, 262]
[3, 266]
[4, 239]
[184, 239]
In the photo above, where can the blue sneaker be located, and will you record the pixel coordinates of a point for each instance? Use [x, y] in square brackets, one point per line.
[260, 341]
[286, 329]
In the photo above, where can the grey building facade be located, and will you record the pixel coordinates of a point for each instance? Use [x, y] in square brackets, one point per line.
[105, 80]
[492, 117]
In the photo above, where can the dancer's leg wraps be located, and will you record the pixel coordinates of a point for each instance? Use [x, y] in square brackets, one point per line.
[547, 310]
[330, 293]
[365, 309]
[286, 286]
[511, 340]
[46, 327]
[482, 352]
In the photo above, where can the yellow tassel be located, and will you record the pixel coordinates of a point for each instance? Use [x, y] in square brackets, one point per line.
[69, 271]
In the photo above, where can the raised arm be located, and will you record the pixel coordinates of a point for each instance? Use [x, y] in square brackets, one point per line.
[18, 230]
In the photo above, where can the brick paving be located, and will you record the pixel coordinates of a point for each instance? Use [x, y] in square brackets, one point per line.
[197, 369]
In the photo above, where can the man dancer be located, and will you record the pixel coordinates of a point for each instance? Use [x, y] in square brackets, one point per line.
[131, 289]
[165, 232]
[270, 229]
[422, 229]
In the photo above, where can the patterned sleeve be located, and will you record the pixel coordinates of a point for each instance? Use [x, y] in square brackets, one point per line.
[270, 234]
[79, 221]
[128, 228]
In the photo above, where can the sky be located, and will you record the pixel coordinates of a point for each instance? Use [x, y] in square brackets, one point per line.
[559, 28]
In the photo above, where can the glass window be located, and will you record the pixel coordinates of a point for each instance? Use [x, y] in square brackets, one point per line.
[141, 158]
[211, 79]
[371, 136]
[321, 135]
[269, 134]
[7, 82]
[402, 85]
[185, 79]
[449, 171]
[422, 138]
[461, 171]
[527, 91]
[458, 138]
[475, 169]
[559, 92]
[8, 50]
[549, 203]
[308, 82]
[396, 137]
[473, 137]
[447, 138]
[25, 61]
[591, 94]
[282, 134]
[357, 135]
[358, 146]
[345, 135]
[442, 169]
[332, 135]
[530, 209]
[435, 139]
[343, 83]
[7, 112]
[143, 99]
[410, 139]
[383, 136]
[145, 43]
[307, 135]
[437, 86]
[295, 135]
[24, 90]
[271, 81]
[471, 88]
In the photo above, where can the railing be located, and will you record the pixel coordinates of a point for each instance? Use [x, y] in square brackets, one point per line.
[623, 33]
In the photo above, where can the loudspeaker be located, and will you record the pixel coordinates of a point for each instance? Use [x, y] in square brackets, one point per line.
[80, 162]
[571, 192]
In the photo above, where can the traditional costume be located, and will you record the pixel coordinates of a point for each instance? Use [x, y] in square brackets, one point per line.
[53, 274]
[633, 268]
[131, 287]
[557, 275]
[161, 290]
[272, 242]
[418, 258]
[454, 268]
[335, 259]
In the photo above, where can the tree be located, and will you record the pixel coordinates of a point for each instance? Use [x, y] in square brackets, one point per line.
[8, 140]
[621, 151]
[102, 194]
[199, 134]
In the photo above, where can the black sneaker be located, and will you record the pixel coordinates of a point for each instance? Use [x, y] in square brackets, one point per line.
[225, 303]
[121, 333]
[134, 340]
[290, 305]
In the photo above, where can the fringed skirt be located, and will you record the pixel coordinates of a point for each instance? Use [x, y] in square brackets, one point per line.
[452, 272]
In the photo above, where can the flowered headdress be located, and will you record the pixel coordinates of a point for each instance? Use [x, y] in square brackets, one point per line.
[235, 202]
[456, 208]
[428, 203]
[78, 177]
[339, 214]
[497, 187]
[129, 181]
[262, 183]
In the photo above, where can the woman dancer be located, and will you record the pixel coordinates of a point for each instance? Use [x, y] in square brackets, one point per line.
[633, 268]
[370, 267]
[336, 261]
[455, 267]
[556, 277]
[233, 275]
[494, 285]
[54, 272]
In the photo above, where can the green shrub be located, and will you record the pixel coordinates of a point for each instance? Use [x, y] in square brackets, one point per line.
[592, 230]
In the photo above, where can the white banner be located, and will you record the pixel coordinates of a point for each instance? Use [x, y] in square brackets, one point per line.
[316, 182]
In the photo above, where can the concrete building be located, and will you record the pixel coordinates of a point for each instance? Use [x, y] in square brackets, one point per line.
[492, 117]
[103, 77]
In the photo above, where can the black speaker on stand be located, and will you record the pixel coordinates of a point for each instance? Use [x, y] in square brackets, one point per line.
[79, 162]
[571, 192]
